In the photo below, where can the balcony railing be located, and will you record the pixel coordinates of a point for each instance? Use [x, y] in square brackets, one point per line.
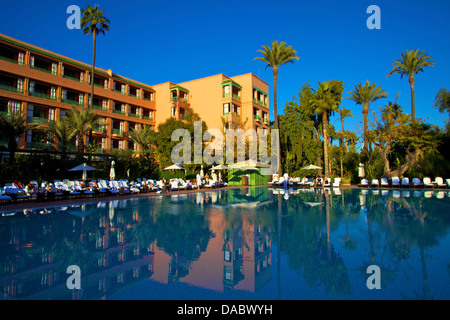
[257, 117]
[173, 99]
[42, 95]
[119, 112]
[235, 96]
[4, 87]
[147, 99]
[73, 78]
[265, 120]
[117, 131]
[147, 118]
[37, 120]
[100, 108]
[43, 70]
[72, 102]
[133, 115]
[39, 145]
[9, 60]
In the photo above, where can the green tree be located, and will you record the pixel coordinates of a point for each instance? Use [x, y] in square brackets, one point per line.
[144, 136]
[61, 135]
[298, 131]
[364, 95]
[442, 101]
[12, 126]
[93, 21]
[275, 56]
[394, 131]
[411, 63]
[81, 121]
[326, 100]
[344, 113]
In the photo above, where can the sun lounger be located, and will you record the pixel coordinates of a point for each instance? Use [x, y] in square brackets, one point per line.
[16, 193]
[405, 182]
[440, 182]
[327, 182]
[274, 179]
[364, 183]
[395, 182]
[210, 184]
[447, 181]
[337, 182]
[417, 183]
[427, 182]
[384, 183]
[375, 183]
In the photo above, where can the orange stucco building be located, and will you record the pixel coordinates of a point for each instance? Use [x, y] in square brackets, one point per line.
[240, 99]
[45, 85]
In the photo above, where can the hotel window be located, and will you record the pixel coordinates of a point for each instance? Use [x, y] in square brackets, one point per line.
[31, 86]
[226, 91]
[81, 77]
[119, 234]
[53, 92]
[20, 85]
[150, 114]
[81, 99]
[226, 108]
[32, 61]
[51, 114]
[227, 255]
[227, 273]
[238, 110]
[63, 94]
[174, 111]
[21, 58]
[122, 89]
[54, 68]
[14, 105]
[105, 104]
[105, 84]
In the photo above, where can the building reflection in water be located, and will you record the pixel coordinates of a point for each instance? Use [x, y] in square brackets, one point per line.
[209, 240]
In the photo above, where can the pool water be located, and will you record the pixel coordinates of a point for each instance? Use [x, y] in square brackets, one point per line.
[253, 243]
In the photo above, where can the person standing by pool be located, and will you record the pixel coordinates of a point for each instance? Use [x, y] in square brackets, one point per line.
[286, 179]
[199, 180]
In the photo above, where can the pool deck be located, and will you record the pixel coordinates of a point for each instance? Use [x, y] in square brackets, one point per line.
[34, 204]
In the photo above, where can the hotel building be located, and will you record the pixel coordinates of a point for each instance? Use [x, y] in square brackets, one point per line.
[45, 85]
[221, 102]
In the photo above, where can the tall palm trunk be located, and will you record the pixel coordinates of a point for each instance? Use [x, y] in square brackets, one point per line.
[91, 105]
[275, 112]
[365, 113]
[325, 145]
[413, 100]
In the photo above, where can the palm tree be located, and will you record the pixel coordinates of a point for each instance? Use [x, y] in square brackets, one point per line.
[81, 122]
[364, 95]
[61, 134]
[12, 126]
[93, 22]
[275, 56]
[144, 136]
[344, 113]
[411, 63]
[327, 99]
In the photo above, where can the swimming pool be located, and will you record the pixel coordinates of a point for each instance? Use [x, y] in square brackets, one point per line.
[247, 243]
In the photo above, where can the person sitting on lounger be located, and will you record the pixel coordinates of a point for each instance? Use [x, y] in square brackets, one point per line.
[30, 190]
[319, 181]
[49, 187]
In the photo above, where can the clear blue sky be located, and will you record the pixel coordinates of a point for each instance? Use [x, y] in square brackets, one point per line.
[159, 40]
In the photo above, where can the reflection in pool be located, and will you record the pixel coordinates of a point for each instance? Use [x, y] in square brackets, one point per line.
[245, 243]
